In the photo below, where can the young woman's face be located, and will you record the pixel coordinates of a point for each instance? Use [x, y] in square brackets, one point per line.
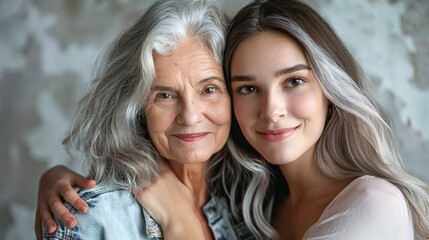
[188, 113]
[277, 101]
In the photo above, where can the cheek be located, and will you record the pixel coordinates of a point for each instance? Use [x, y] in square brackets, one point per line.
[310, 106]
[245, 111]
[239, 111]
[158, 121]
[222, 119]
[220, 112]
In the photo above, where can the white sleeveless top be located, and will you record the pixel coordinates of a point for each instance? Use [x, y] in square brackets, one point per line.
[368, 208]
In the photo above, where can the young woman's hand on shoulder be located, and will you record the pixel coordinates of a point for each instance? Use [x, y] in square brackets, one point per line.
[56, 184]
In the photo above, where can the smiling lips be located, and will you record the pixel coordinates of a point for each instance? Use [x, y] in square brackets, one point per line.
[191, 137]
[277, 134]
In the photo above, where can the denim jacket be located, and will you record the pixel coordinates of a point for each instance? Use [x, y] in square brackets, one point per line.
[115, 214]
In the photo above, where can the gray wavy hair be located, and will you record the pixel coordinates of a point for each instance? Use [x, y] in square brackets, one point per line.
[110, 129]
[356, 140]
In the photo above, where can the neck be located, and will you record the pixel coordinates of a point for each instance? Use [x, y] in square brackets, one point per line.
[194, 177]
[304, 179]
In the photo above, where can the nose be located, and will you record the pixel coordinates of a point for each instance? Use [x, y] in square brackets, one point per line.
[273, 107]
[191, 111]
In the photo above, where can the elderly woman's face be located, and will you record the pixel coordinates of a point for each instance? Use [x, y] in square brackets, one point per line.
[188, 113]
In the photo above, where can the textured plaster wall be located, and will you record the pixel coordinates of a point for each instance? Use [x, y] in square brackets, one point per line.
[48, 48]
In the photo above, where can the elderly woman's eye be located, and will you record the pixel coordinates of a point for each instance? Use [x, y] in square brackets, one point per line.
[164, 95]
[211, 89]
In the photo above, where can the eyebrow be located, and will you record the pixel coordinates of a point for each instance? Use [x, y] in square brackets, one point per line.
[201, 82]
[279, 73]
[210, 79]
[292, 69]
[162, 88]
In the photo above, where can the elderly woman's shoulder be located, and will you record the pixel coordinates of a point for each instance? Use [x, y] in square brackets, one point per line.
[113, 213]
[103, 190]
[106, 199]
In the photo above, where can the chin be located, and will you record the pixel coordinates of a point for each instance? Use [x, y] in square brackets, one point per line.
[196, 159]
[279, 160]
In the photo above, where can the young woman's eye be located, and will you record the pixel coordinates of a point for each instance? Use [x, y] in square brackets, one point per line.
[294, 82]
[244, 90]
[211, 89]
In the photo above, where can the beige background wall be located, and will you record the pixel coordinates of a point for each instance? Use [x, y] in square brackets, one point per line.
[47, 49]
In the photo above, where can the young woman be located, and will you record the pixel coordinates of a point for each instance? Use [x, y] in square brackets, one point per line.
[303, 104]
[304, 111]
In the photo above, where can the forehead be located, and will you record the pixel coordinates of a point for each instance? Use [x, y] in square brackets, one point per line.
[191, 61]
[266, 53]
[274, 46]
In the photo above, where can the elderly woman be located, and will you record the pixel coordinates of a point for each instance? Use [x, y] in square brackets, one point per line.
[159, 97]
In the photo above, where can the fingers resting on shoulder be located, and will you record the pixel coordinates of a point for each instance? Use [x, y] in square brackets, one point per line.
[56, 184]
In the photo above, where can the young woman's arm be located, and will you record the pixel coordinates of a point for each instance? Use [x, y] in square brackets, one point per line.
[57, 183]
